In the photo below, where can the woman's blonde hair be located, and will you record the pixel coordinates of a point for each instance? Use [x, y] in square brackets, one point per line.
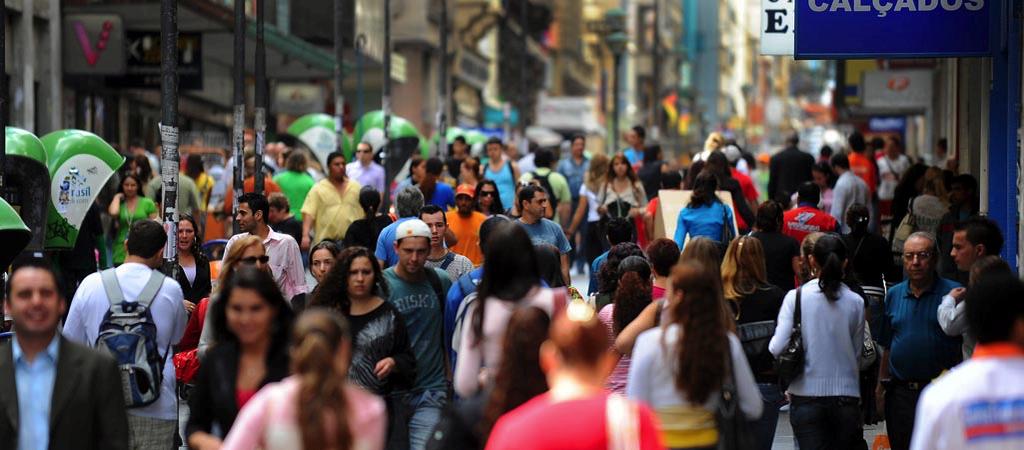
[743, 269]
[234, 256]
[714, 141]
[597, 173]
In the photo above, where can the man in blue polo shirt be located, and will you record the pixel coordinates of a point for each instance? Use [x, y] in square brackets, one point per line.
[916, 348]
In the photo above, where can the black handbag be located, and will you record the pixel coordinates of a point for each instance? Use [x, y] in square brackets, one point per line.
[755, 336]
[733, 430]
[790, 364]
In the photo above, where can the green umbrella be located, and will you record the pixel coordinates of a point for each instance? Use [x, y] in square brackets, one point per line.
[23, 143]
[13, 232]
[80, 164]
[317, 132]
[474, 137]
[400, 127]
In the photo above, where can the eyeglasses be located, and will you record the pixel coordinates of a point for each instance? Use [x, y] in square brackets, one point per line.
[488, 193]
[923, 256]
[251, 260]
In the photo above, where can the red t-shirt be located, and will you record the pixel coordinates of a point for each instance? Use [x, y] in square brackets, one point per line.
[799, 222]
[746, 184]
[864, 168]
[580, 424]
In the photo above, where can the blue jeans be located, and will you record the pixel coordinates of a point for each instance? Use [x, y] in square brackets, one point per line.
[425, 413]
[826, 423]
[763, 429]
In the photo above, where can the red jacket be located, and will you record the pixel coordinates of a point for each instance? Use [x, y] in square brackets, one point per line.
[799, 222]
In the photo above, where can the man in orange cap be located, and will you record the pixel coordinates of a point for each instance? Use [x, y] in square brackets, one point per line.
[465, 224]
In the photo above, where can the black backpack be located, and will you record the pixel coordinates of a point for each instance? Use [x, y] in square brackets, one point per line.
[544, 183]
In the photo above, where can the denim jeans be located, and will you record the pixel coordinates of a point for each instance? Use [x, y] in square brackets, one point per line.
[425, 412]
[826, 423]
[763, 429]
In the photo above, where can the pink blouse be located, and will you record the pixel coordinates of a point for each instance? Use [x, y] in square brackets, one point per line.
[616, 381]
[269, 421]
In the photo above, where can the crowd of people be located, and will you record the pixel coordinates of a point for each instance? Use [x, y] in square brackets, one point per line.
[856, 288]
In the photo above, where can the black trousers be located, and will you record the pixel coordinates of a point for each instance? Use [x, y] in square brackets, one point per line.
[900, 407]
[826, 423]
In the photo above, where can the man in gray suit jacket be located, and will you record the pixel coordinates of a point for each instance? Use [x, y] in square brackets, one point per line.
[54, 394]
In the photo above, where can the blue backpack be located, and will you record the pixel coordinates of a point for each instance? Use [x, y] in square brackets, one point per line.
[129, 334]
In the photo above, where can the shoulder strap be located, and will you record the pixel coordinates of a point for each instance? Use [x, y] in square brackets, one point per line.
[435, 283]
[447, 261]
[152, 287]
[114, 294]
[796, 314]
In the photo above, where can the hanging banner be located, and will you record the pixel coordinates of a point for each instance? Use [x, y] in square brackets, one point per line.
[838, 29]
[80, 164]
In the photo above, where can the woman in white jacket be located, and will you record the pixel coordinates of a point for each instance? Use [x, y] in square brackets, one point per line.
[825, 397]
[679, 368]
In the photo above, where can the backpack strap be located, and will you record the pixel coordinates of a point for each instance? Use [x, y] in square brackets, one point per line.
[449, 258]
[435, 283]
[152, 287]
[114, 294]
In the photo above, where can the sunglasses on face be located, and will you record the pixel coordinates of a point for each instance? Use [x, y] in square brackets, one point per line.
[251, 260]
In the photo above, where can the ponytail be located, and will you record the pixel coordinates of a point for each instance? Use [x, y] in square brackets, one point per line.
[830, 254]
[318, 336]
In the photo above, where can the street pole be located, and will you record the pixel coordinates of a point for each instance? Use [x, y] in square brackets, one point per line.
[339, 75]
[442, 93]
[524, 146]
[169, 129]
[655, 119]
[238, 138]
[615, 103]
[261, 98]
[3, 92]
[385, 102]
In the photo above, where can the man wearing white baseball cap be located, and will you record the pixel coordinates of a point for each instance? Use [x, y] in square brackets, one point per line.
[419, 294]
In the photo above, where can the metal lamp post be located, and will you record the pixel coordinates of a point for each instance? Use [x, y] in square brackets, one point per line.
[616, 39]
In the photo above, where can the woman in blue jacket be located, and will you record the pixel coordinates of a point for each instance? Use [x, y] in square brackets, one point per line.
[705, 215]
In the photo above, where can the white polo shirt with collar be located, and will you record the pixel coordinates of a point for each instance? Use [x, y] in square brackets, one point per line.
[285, 261]
[90, 304]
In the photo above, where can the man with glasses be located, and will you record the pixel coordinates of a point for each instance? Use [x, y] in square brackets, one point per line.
[364, 169]
[282, 250]
[916, 350]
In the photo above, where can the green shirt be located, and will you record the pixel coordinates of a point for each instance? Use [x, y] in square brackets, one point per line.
[295, 186]
[143, 209]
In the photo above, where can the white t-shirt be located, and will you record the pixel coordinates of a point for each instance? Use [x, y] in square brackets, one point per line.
[976, 405]
[90, 305]
[889, 172]
[592, 203]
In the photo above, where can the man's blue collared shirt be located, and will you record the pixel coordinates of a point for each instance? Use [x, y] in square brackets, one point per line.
[573, 173]
[34, 381]
[918, 348]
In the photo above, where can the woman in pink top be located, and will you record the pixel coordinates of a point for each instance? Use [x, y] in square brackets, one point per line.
[631, 297]
[511, 279]
[317, 408]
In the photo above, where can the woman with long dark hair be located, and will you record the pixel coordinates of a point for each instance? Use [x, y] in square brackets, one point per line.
[782, 252]
[128, 206]
[576, 412]
[364, 232]
[252, 322]
[511, 278]
[382, 360]
[705, 215]
[753, 300]
[193, 272]
[518, 379]
[488, 198]
[321, 258]
[622, 194]
[825, 397]
[316, 407]
[680, 367]
[608, 276]
[632, 295]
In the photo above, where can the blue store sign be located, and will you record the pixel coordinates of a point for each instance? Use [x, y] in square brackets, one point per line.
[839, 29]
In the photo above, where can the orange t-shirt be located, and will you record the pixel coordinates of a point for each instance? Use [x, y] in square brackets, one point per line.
[865, 169]
[467, 230]
[249, 185]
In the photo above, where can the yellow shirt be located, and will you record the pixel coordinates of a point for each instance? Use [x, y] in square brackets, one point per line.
[333, 213]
